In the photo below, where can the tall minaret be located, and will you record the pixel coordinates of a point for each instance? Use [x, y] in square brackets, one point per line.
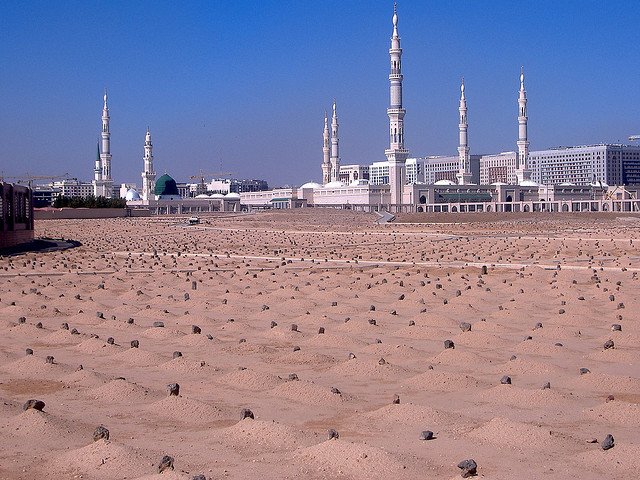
[105, 157]
[464, 166]
[522, 171]
[326, 162]
[396, 153]
[335, 157]
[97, 171]
[148, 175]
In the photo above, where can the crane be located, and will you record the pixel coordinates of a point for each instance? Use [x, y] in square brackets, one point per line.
[29, 178]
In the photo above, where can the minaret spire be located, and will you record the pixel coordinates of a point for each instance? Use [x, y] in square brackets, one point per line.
[148, 174]
[464, 167]
[326, 162]
[396, 153]
[106, 149]
[97, 171]
[335, 152]
[522, 168]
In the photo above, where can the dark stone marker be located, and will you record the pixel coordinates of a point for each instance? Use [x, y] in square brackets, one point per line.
[100, 432]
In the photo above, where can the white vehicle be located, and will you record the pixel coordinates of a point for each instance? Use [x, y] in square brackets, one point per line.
[194, 220]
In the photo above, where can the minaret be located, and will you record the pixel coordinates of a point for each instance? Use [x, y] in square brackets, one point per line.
[105, 157]
[148, 174]
[326, 162]
[97, 171]
[396, 154]
[464, 167]
[335, 157]
[522, 171]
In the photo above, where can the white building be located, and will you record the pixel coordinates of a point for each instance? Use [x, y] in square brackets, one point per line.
[102, 181]
[74, 188]
[353, 173]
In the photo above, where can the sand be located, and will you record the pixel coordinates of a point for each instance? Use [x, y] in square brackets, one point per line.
[387, 297]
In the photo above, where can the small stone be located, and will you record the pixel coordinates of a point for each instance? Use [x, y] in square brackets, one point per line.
[334, 304]
[332, 433]
[293, 377]
[561, 311]
[382, 361]
[49, 359]
[372, 308]
[608, 442]
[352, 356]
[100, 432]
[296, 348]
[273, 324]
[111, 340]
[558, 344]
[616, 327]
[396, 399]
[196, 330]
[412, 323]
[378, 340]
[135, 343]
[294, 327]
[243, 340]
[609, 344]
[198, 477]
[584, 371]
[74, 331]
[246, 413]
[465, 327]
[506, 380]
[320, 330]
[468, 468]
[527, 338]
[610, 398]
[426, 435]
[28, 351]
[165, 464]
[186, 296]
[449, 344]
[546, 386]
[173, 389]
[592, 440]
[22, 319]
[99, 315]
[130, 321]
[35, 404]
[335, 391]
[64, 326]
[158, 324]
[537, 326]
[39, 325]
[513, 357]
[209, 336]
[177, 354]
[194, 285]
[372, 321]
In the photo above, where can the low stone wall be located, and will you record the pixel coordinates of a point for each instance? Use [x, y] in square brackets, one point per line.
[82, 213]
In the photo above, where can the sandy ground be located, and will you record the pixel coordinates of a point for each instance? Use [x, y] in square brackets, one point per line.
[387, 298]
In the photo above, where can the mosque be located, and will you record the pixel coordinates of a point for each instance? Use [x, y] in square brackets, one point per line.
[510, 185]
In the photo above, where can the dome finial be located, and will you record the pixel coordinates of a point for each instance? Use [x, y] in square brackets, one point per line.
[394, 19]
[522, 77]
[105, 97]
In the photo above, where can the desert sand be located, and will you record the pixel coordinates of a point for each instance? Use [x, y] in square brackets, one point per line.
[319, 320]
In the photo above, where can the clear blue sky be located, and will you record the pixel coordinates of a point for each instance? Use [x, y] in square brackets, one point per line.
[244, 84]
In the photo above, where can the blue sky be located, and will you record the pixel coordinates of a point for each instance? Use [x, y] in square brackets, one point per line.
[242, 85]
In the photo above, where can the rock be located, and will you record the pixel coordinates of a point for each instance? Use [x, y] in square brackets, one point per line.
[335, 391]
[130, 321]
[165, 464]
[39, 325]
[196, 330]
[64, 326]
[22, 319]
[608, 442]
[29, 351]
[111, 341]
[198, 477]
[412, 323]
[177, 354]
[49, 359]
[293, 377]
[513, 357]
[194, 285]
[561, 311]
[158, 324]
[320, 330]
[609, 344]
[100, 432]
[173, 389]
[506, 380]
[99, 315]
[246, 413]
[449, 344]
[186, 296]
[465, 327]
[584, 371]
[74, 331]
[273, 324]
[135, 343]
[537, 326]
[426, 435]
[296, 348]
[396, 399]
[372, 308]
[35, 404]
[352, 356]
[468, 468]
[592, 440]
[294, 327]
[382, 361]
[558, 344]
[616, 327]
[372, 321]
[546, 386]
[333, 434]
[209, 336]
[610, 398]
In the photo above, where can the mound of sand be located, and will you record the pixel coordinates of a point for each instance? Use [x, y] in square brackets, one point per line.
[250, 380]
[259, 436]
[186, 410]
[615, 413]
[436, 380]
[122, 391]
[517, 397]
[139, 357]
[308, 393]
[511, 434]
[369, 369]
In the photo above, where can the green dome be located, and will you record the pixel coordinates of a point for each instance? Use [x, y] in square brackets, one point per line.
[166, 185]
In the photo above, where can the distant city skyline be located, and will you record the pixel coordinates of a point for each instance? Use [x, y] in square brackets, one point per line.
[243, 86]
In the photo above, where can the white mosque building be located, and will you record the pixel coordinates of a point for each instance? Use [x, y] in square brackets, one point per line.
[505, 182]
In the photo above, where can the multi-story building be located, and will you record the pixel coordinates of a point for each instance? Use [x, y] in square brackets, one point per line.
[439, 168]
[73, 188]
[580, 165]
[352, 173]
